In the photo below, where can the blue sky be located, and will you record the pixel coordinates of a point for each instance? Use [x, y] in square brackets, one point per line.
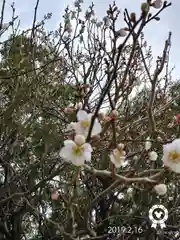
[155, 32]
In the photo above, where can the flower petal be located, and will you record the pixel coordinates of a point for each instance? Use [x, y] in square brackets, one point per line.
[176, 145]
[69, 143]
[82, 115]
[79, 129]
[96, 128]
[87, 147]
[175, 167]
[87, 156]
[78, 161]
[65, 154]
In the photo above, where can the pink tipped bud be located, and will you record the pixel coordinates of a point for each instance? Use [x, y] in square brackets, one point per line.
[107, 118]
[178, 119]
[69, 110]
[114, 114]
[95, 138]
[55, 195]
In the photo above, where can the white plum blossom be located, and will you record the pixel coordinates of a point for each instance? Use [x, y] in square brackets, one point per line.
[171, 155]
[117, 157]
[83, 124]
[77, 151]
[153, 156]
[148, 144]
[160, 189]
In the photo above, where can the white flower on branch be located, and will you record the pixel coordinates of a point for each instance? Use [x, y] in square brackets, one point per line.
[153, 156]
[118, 157]
[160, 189]
[77, 151]
[84, 122]
[171, 155]
[148, 144]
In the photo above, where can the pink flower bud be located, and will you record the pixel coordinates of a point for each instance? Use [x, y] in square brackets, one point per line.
[178, 119]
[69, 110]
[107, 118]
[54, 195]
[95, 138]
[114, 114]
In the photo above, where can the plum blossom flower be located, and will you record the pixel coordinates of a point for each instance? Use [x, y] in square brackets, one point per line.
[153, 156]
[117, 157]
[83, 124]
[77, 151]
[160, 189]
[171, 155]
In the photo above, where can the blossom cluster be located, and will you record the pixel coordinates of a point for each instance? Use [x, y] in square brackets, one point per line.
[77, 151]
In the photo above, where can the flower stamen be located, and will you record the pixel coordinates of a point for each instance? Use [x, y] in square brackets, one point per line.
[174, 156]
[77, 151]
[85, 123]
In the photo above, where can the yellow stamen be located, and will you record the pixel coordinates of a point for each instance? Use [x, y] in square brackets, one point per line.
[85, 123]
[174, 156]
[77, 151]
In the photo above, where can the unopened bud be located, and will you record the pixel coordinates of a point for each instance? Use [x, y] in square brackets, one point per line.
[54, 195]
[107, 118]
[145, 7]
[157, 4]
[95, 138]
[114, 114]
[133, 17]
[178, 119]
[69, 110]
